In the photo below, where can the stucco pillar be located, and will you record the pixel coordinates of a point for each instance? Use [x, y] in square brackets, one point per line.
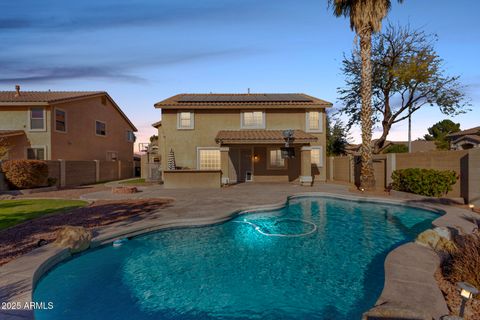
[119, 162]
[391, 165]
[63, 173]
[306, 166]
[331, 163]
[224, 164]
[474, 176]
[97, 170]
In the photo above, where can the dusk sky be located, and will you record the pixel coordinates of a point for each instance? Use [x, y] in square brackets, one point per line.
[143, 51]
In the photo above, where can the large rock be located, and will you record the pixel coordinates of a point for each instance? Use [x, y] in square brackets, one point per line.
[76, 239]
[437, 239]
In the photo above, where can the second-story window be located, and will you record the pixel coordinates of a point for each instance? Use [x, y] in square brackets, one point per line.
[37, 119]
[130, 136]
[100, 128]
[314, 121]
[185, 120]
[60, 120]
[253, 120]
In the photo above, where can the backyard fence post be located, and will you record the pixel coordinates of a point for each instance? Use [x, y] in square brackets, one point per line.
[474, 176]
[63, 173]
[97, 171]
[331, 171]
[391, 165]
[119, 172]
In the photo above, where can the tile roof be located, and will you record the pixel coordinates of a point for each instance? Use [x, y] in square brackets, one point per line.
[260, 136]
[255, 100]
[45, 96]
[9, 98]
[475, 130]
[470, 137]
[10, 133]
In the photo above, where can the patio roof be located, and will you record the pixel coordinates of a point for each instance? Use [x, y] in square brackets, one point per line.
[261, 136]
[11, 133]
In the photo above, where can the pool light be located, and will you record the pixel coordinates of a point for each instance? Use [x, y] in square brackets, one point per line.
[467, 291]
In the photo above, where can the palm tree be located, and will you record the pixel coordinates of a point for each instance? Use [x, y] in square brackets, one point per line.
[365, 18]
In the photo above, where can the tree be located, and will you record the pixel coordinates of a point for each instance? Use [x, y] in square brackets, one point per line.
[337, 137]
[365, 18]
[154, 139]
[407, 75]
[439, 131]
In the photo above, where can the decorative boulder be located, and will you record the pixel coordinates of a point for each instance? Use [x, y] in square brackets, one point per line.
[437, 239]
[76, 239]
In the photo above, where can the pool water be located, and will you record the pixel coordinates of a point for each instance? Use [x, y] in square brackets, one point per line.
[263, 265]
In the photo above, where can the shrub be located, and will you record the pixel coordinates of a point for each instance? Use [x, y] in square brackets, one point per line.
[464, 262]
[426, 182]
[25, 174]
[396, 148]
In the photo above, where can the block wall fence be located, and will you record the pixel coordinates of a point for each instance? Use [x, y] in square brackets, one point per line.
[466, 163]
[74, 173]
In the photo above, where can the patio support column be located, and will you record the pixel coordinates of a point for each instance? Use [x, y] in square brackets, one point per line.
[224, 164]
[306, 167]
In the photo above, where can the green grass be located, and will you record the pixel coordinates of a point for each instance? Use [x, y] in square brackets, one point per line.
[134, 181]
[13, 212]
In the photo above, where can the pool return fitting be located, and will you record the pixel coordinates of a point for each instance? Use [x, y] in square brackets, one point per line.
[259, 230]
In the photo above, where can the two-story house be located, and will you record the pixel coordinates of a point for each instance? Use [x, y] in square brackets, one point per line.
[48, 125]
[245, 135]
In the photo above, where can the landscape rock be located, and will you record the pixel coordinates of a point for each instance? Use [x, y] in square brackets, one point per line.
[124, 190]
[76, 239]
[437, 239]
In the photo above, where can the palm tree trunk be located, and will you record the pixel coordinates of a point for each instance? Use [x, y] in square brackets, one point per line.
[367, 179]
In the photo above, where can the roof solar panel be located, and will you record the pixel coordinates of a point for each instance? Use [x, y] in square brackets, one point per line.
[244, 98]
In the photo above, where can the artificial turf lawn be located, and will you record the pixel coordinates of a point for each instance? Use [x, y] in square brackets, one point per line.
[13, 212]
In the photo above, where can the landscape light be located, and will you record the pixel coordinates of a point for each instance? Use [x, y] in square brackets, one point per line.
[467, 291]
[471, 206]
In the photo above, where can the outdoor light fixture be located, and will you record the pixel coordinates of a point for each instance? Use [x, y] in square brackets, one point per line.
[467, 291]
[471, 206]
[362, 189]
[256, 157]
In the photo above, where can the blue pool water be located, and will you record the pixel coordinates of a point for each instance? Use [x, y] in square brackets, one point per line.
[235, 270]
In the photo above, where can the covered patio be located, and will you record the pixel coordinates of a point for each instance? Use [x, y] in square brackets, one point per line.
[266, 156]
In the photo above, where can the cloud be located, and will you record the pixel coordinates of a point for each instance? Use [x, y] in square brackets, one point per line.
[121, 69]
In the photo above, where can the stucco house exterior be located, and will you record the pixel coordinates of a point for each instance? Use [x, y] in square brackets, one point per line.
[244, 136]
[465, 139]
[67, 125]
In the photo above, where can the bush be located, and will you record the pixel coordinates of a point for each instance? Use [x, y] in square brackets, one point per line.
[396, 148]
[25, 174]
[464, 262]
[426, 182]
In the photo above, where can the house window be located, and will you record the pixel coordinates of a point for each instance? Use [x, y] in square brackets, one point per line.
[185, 120]
[208, 159]
[314, 121]
[37, 119]
[253, 120]
[60, 120]
[317, 156]
[100, 128]
[275, 159]
[130, 136]
[36, 153]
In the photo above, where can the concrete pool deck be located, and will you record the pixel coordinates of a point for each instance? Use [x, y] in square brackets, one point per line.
[409, 269]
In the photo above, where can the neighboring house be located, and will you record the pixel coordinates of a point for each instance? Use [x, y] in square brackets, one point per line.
[150, 162]
[466, 139]
[51, 125]
[417, 146]
[243, 135]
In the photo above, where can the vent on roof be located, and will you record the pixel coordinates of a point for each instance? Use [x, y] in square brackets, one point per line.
[17, 90]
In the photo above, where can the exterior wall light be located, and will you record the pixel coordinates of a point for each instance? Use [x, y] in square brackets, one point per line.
[256, 157]
[467, 291]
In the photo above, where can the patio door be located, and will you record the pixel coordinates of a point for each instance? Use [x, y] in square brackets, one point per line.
[242, 162]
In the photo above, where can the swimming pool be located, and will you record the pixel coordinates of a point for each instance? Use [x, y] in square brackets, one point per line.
[317, 258]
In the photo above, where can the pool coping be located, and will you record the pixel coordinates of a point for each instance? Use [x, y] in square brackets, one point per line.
[409, 268]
